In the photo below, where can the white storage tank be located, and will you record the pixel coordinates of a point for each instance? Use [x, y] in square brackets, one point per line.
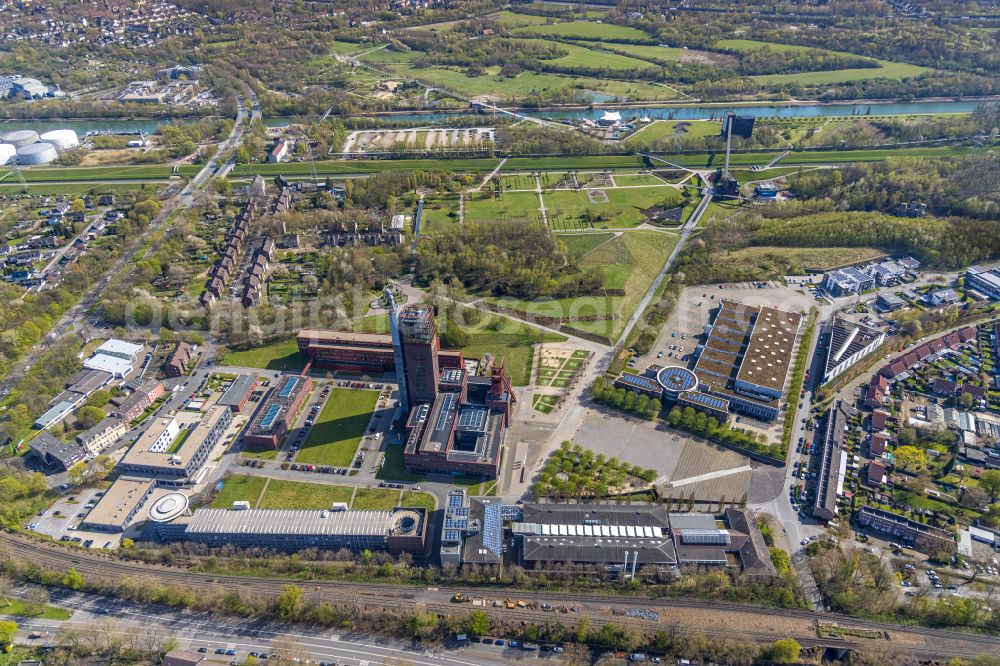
[7, 151]
[37, 153]
[20, 138]
[62, 139]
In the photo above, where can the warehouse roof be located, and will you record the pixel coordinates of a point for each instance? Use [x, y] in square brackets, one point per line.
[293, 522]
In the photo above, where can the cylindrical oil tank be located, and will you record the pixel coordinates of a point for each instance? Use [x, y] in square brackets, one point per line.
[7, 151]
[62, 139]
[20, 138]
[37, 153]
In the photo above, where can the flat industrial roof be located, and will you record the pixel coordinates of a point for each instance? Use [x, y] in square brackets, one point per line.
[116, 346]
[292, 522]
[141, 455]
[769, 353]
[113, 364]
[119, 500]
[237, 390]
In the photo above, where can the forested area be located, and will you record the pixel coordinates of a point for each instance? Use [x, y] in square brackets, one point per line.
[532, 139]
[963, 186]
[519, 258]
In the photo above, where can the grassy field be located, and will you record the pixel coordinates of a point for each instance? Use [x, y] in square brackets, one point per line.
[582, 56]
[440, 212]
[394, 469]
[659, 54]
[630, 261]
[574, 209]
[282, 494]
[282, 355]
[511, 341]
[577, 162]
[123, 172]
[511, 19]
[239, 488]
[483, 207]
[886, 70]
[579, 245]
[334, 438]
[584, 30]
[776, 261]
[376, 498]
[634, 179]
[415, 498]
[659, 129]
[16, 608]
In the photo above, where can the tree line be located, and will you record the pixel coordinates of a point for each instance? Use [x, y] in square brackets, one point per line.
[518, 258]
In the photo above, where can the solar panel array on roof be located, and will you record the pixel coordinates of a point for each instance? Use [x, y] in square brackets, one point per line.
[447, 399]
[450, 535]
[455, 500]
[493, 527]
[472, 418]
[270, 416]
[639, 382]
[705, 399]
[289, 386]
[456, 523]
[451, 376]
[511, 512]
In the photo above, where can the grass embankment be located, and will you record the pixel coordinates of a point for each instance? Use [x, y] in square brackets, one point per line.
[282, 355]
[798, 377]
[629, 261]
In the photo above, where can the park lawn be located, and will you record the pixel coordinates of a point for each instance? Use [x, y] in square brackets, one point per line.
[587, 30]
[16, 607]
[822, 156]
[510, 19]
[334, 438]
[578, 245]
[514, 349]
[518, 181]
[571, 209]
[630, 262]
[239, 488]
[581, 56]
[635, 179]
[282, 355]
[283, 494]
[122, 172]
[484, 207]
[440, 213]
[886, 69]
[416, 498]
[656, 54]
[375, 499]
[387, 56]
[659, 129]
[574, 162]
[393, 467]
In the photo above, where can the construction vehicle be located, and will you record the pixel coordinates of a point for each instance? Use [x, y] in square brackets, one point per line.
[460, 598]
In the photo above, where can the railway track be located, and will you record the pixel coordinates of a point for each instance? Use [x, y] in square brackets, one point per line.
[917, 641]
